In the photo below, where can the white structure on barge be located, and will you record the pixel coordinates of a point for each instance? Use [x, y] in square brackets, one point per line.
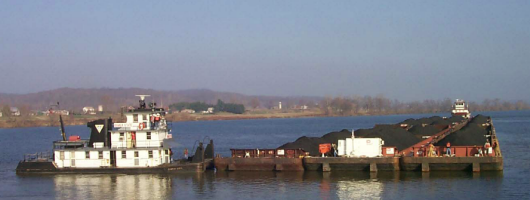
[137, 143]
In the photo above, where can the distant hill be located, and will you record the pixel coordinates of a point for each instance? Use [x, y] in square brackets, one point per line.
[74, 99]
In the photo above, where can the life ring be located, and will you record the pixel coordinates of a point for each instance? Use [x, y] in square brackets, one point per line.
[141, 126]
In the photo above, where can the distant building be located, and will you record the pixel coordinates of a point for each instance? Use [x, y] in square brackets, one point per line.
[14, 111]
[100, 108]
[209, 111]
[190, 111]
[89, 110]
[278, 107]
[59, 112]
[297, 107]
[62, 112]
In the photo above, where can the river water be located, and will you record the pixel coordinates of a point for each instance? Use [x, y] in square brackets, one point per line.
[513, 183]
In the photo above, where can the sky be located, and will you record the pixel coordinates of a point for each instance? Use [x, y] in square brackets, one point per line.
[407, 50]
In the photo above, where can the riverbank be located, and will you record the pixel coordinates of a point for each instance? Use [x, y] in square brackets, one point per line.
[71, 120]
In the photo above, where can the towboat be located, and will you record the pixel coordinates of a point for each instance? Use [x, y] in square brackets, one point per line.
[460, 108]
[140, 145]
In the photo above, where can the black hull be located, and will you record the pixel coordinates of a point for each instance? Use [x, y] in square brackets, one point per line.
[48, 167]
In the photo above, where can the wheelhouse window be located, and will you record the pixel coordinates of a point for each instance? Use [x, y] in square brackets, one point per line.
[135, 118]
[123, 154]
[122, 135]
[136, 154]
[87, 154]
[148, 135]
[150, 154]
[100, 154]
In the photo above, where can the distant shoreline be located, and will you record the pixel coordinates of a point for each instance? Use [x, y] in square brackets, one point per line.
[73, 120]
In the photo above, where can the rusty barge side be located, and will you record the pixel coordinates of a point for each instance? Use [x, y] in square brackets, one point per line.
[326, 164]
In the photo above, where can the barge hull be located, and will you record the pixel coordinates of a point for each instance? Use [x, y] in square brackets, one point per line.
[361, 164]
[259, 164]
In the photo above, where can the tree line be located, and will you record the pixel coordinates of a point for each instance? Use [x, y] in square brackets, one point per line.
[381, 105]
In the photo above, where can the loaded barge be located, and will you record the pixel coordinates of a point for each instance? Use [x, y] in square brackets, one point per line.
[462, 143]
[140, 145]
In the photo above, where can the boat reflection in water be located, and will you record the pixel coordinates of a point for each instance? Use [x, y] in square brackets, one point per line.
[359, 189]
[277, 185]
[112, 186]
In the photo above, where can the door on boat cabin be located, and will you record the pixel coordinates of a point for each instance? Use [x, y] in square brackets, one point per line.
[129, 140]
[167, 156]
[113, 158]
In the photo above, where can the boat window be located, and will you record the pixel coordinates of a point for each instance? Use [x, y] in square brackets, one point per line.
[87, 154]
[150, 154]
[144, 118]
[148, 135]
[100, 154]
[123, 154]
[136, 154]
[135, 118]
[61, 155]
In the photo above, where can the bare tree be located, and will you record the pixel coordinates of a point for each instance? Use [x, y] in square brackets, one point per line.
[254, 103]
[6, 111]
[24, 110]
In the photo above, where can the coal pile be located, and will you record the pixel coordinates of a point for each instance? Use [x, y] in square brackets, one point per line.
[427, 130]
[410, 121]
[480, 119]
[333, 137]
[394, 135]
[391, 134]
[308, 144]
[441, 122]
[470, 135]
[456, 118]
[435, 120]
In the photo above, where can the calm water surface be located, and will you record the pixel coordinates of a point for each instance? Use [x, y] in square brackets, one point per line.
[513, 183]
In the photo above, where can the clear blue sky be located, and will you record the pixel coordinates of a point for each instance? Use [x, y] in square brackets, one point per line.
[409, 50]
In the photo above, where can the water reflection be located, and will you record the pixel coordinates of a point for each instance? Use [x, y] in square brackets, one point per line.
[359, 185]
[112, 186]
[359, 189]
[280, 185]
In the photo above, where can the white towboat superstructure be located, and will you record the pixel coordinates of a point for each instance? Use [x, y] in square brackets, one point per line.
[139, 142]
[461, 108]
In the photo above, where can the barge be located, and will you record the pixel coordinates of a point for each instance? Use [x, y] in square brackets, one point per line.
[140, 145]
[432, 152]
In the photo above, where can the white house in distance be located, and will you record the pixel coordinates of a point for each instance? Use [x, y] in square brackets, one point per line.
[190, 111]
[209, 111]
[15, 111]
[89, 110]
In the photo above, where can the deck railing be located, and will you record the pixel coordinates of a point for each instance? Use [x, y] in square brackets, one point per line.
[39, 156]
[456, 151]
[267, 153]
